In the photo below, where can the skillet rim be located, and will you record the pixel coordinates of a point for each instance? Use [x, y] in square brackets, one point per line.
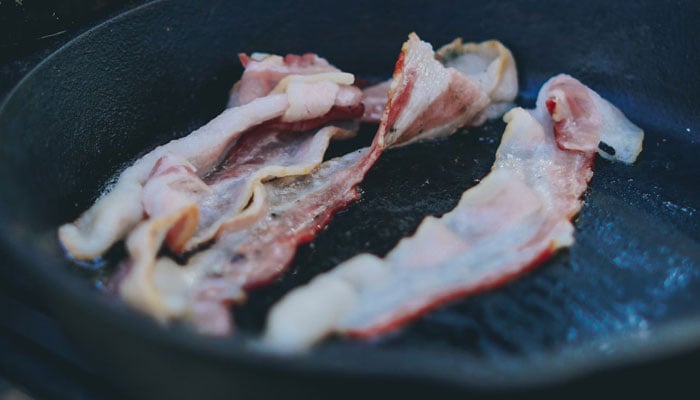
[669, 339]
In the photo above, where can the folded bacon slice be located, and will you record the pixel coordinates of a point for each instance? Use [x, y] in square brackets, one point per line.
[294, 103]
[516, 217]
[184, 210]
[489, 63]
[315, 89]
[257, 157]
[290, 212]
[426, 100]
[263, 72]
[374, 99]
[119, 210]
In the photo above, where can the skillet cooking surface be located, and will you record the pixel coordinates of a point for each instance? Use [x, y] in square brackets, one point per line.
[629, 289]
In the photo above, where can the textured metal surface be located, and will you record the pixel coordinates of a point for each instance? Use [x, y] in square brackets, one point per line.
[635, 263]
[627, 290]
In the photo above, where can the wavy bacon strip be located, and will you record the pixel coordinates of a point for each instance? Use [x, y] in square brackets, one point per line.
[120, 210]
[184, 210]
[258, 157]
[426, 100]
[489, 63]
[182, 218]
[512, 220]
[292, 212]
[263, 72]
[308, 80]
[294, 103]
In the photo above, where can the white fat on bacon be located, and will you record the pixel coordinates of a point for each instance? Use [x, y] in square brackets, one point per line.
[304, 93]
[294, 209]
[184, 211]
[120, 209]
[313, 96]
[263, 72]
[516, 217]
[313, 86]
[283, 213]
[427, 100]
[489, 63]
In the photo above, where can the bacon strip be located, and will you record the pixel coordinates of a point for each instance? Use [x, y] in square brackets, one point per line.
[314, 89]
[257, 157]
[263, 72]
[374, 99]
[426, 100]
[512, 220]
[490, 64]
[120, 210]
[294, 211]
[185, 211]
[293, 103]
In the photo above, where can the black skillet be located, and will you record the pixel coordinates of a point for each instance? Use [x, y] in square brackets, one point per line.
[621, 307]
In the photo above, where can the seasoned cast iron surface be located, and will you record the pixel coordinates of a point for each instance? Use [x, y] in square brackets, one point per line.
[160, 72]
[634, 264]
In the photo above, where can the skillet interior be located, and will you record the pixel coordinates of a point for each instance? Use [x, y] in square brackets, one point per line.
[627, 289]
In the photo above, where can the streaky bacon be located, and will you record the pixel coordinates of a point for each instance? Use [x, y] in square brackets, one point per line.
[293, 103]
[118, 211]
[374, 100]
[185, 211]
[489, 63]
[264, 71]
[218, 198]
[515, 218]
[297, 208]
[317, 91]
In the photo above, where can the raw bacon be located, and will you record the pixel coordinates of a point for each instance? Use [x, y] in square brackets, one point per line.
[295, 103]
[263, 72]
[315, 89]
[374, 99]
[512, 220]
[185, 211]
[426, 100]
[489, 63]
[257, 157]
[290, 211]
[117, 212]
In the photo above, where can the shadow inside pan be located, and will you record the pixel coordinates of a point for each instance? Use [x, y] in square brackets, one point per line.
[165, 69]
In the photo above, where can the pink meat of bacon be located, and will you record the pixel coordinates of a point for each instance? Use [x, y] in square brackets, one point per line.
[515, 218]
[184, 210]
[309, 80]
[427, 98]
[296, 103]
[489, 63]
[264, 71]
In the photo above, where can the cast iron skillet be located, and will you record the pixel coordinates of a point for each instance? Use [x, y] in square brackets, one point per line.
[626, 294]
